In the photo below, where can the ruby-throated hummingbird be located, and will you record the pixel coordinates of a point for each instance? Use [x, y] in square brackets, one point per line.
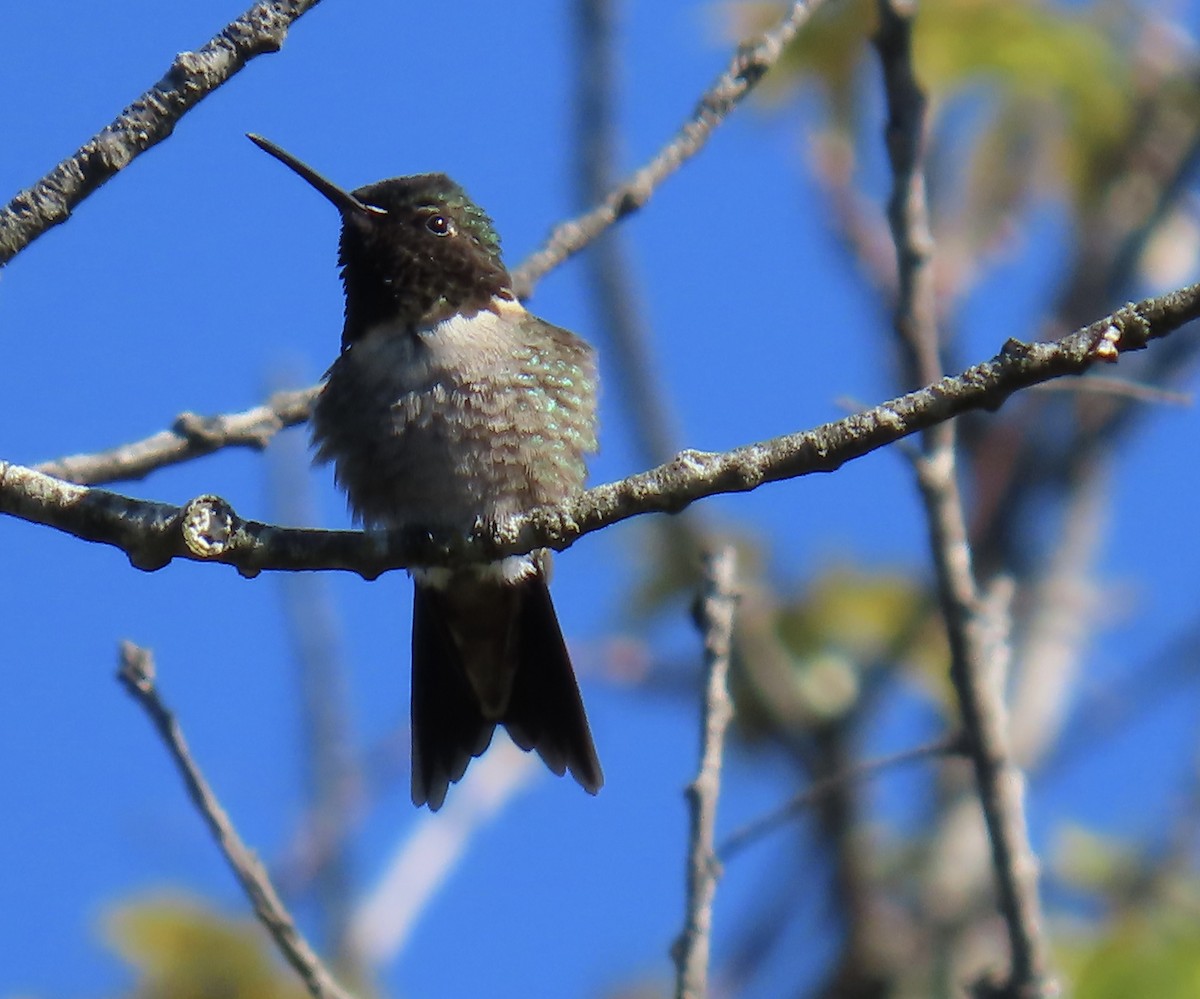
[452, 407]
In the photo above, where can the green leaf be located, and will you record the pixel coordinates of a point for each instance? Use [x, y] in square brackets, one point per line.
[181, 949]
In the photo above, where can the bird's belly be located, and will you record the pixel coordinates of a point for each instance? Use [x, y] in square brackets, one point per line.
[449, 459]
[435, 476]
[453, 428]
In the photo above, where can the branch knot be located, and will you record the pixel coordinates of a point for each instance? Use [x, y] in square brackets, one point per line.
[208, 525]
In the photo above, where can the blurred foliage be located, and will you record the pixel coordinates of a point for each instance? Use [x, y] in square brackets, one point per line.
[1045, 66]
[1095, 863]
[668, 554]
[1150, 944]
[1053, 99]
[1142, 953]
[181, 949]
[804, 660]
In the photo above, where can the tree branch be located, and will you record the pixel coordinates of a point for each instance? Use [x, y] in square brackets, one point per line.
[977, 655]
[908, 212]
[207, 529]
[715, 618]
[191, 436]
[749, 64]
[146, 122]
[136, 674]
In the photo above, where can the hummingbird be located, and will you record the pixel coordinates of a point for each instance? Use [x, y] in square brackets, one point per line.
[450, 408]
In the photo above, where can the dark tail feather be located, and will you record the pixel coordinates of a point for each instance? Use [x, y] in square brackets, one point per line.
[544, 709]
[448, 727]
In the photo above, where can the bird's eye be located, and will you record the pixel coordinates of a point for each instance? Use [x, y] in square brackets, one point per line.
[439, 225]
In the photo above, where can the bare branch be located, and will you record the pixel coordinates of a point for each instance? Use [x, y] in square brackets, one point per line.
[908, 212]
[191, 436]
[136, 674]
[751, 832]
[207, 529]
[976, 655]
[715, 619]
[751, 61]
[146, 122]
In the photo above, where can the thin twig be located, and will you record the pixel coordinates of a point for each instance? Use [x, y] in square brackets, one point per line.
[207, 529]
[146, 122]
[751, 61]
[1123, 388]
[751, 832]
[715, 618]
[191, 436]
[974, 661]
[136, 674]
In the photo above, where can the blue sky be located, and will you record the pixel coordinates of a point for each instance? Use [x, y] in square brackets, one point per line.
[204, 275]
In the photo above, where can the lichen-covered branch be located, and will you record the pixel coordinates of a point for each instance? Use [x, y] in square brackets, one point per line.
[145, 122]
[208, 530]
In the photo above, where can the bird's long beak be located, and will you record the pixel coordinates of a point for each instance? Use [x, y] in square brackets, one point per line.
[345, 202]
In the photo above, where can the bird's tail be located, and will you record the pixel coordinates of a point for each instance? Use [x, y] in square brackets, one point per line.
[488, 650]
